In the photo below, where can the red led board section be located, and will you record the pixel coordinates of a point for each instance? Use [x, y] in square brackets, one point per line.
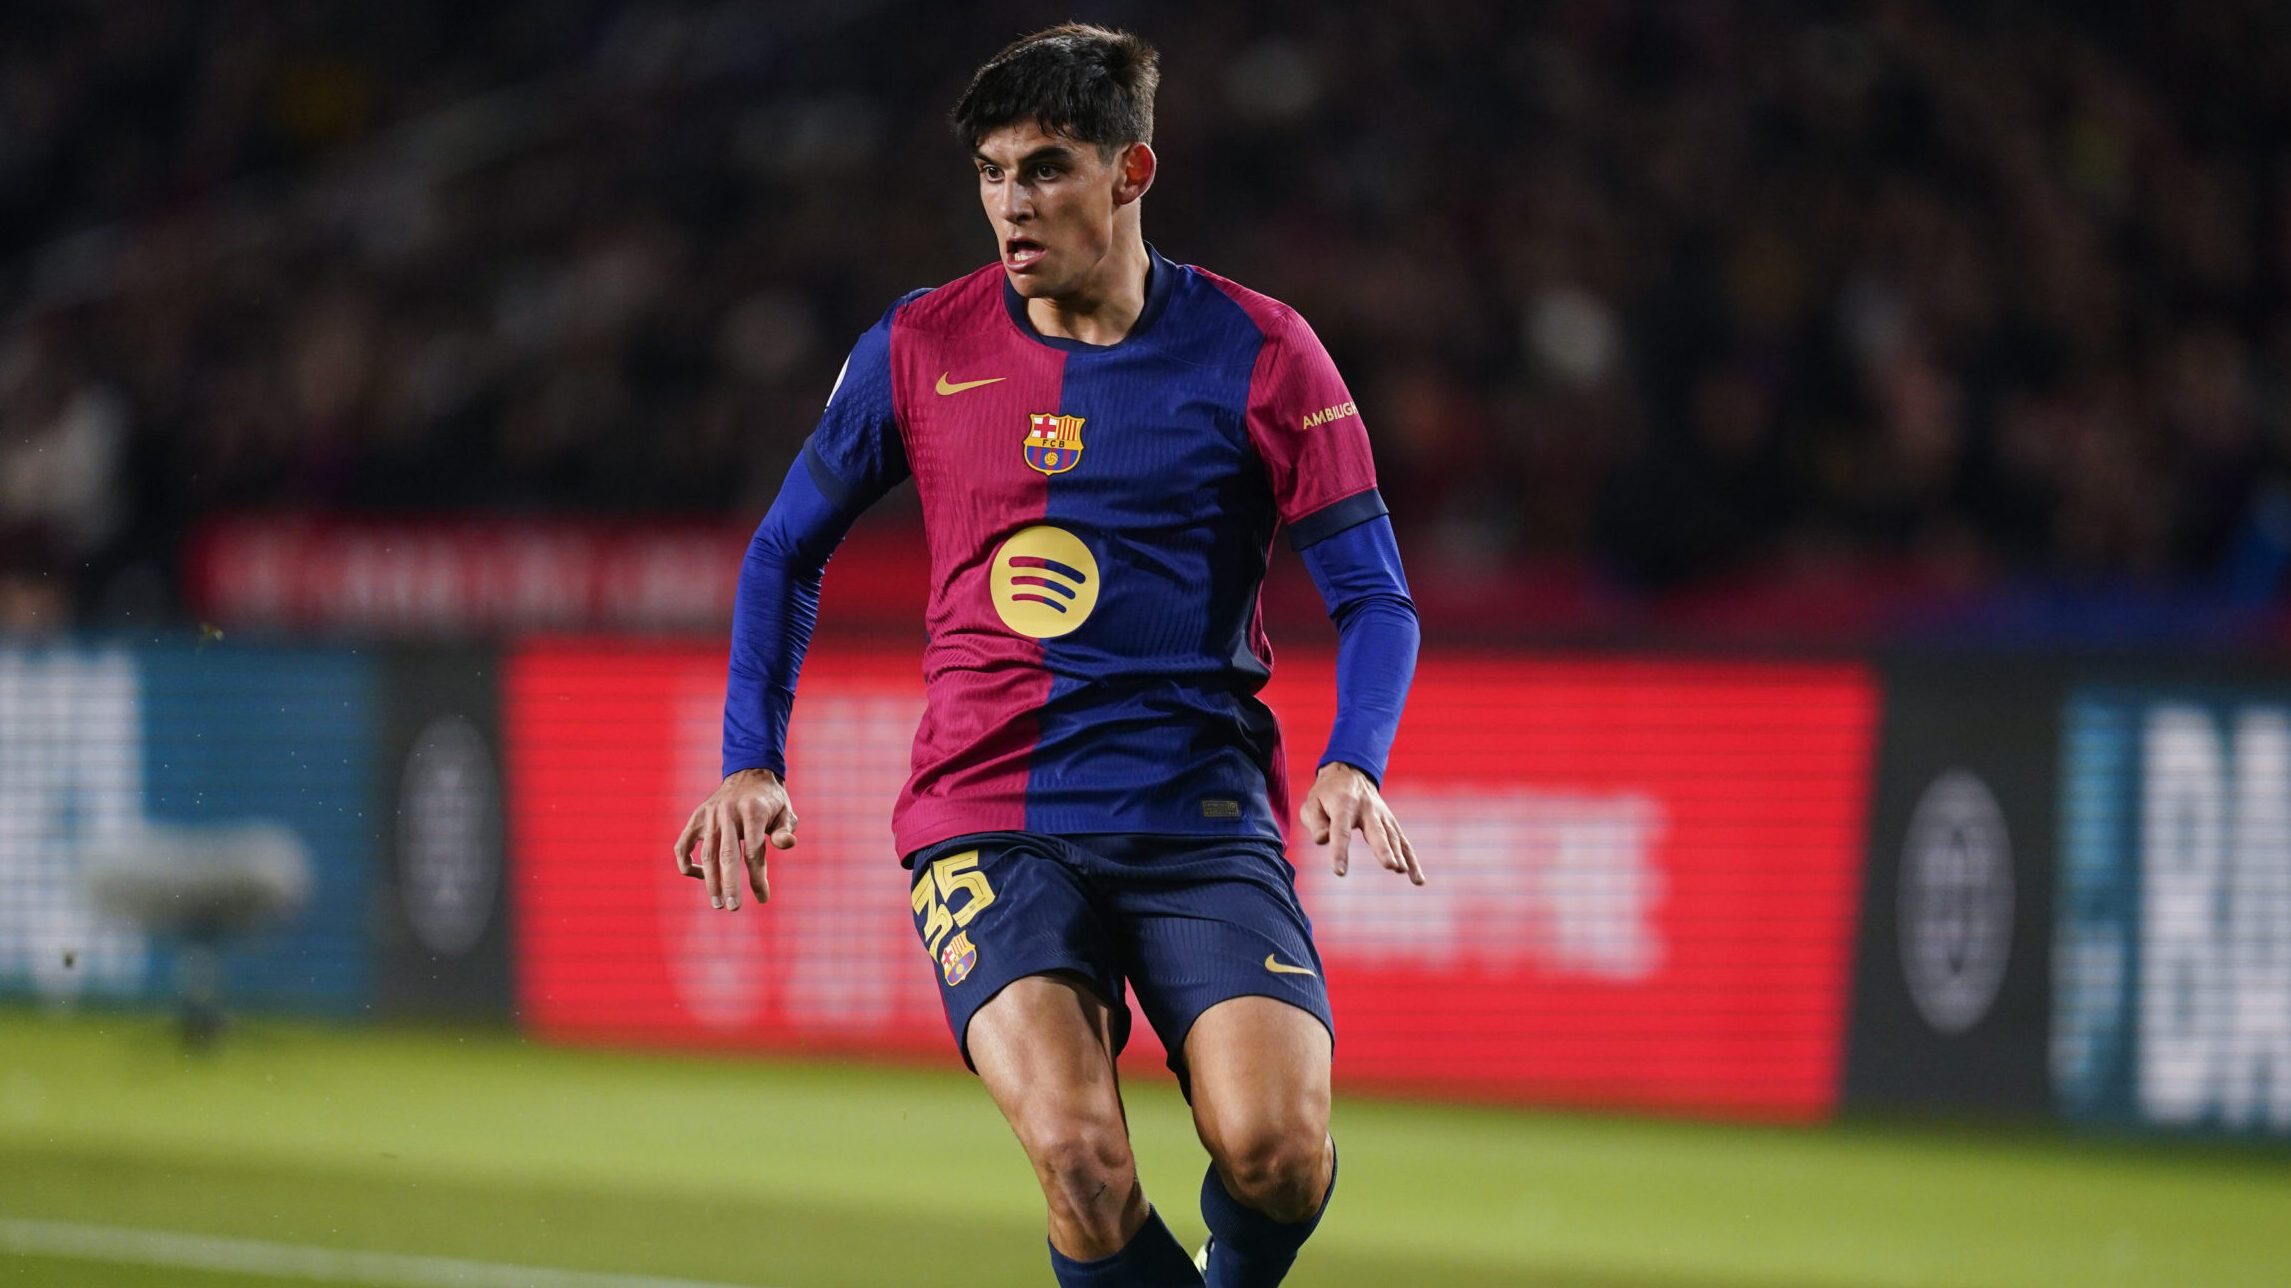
[1644, 874]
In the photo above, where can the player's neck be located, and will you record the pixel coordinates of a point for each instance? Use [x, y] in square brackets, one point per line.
[1108, 304]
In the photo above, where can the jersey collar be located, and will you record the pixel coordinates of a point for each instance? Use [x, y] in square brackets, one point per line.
[1161, 281]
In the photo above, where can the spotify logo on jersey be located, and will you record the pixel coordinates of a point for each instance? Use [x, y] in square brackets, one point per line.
[1045, 582]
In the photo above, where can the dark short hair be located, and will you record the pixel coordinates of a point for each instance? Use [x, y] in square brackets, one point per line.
[1090, 84]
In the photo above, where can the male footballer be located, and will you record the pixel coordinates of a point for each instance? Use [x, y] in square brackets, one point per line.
[1104, 443]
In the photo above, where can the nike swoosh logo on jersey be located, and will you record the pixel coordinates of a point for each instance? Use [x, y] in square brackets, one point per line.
[1282, 968]
[946, 388]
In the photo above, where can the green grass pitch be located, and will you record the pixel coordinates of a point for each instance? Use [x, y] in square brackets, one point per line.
[483, 1147]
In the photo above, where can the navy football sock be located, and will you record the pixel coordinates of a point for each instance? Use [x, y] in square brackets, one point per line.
[1153, 1258]
[1247, 1248]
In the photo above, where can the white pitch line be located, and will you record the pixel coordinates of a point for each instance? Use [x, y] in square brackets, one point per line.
[121, 1245]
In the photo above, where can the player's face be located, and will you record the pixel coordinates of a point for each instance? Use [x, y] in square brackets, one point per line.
[1053, 203]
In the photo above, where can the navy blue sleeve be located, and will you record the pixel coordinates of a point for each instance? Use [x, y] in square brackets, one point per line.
[847, 464]
[1357, 568]
[772, 617]
[856, 454]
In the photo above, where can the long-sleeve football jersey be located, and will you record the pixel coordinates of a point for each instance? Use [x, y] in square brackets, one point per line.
[1098, 520]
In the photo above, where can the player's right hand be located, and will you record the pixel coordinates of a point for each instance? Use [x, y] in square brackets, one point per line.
[728, 831]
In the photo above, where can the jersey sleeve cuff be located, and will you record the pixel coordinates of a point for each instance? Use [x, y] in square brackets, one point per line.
[1359, 759]
[737, 760]
[1335, 517]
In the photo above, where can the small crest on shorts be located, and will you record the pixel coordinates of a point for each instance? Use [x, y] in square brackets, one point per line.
[957, 958]
[1053, 442]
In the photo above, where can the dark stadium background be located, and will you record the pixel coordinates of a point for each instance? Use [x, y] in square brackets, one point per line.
[1964, 318]
[1842, 454]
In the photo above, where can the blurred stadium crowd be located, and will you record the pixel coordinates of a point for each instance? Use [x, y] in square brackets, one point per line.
[1676, 294]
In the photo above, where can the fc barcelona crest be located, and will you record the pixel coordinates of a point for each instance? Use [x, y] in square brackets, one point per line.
[1053, 443]
[956, 959]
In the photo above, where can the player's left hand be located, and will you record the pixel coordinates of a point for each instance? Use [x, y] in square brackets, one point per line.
[1343, 800]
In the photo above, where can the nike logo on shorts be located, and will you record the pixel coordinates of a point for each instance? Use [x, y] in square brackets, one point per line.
[946, 388]
[1282, 968]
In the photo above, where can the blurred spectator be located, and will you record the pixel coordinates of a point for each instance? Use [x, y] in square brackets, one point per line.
[1675, 292]
[35, 599]
[63, 440]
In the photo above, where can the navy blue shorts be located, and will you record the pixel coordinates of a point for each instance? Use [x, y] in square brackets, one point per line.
[1187, 921]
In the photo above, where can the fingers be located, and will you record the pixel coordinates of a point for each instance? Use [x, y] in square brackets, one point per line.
[685, 840]
[724, 879]
[756, 822]
[1373, 827]
[758, 880]
[759, 822]
[1415, 869]
[1390, 843]
[724, 842]
[1314, 816]
[1340, 825]
[704, 850]
[1333, 819]
[704, 853]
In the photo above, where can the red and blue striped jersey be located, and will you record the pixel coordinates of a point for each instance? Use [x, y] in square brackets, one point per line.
[1098, 520]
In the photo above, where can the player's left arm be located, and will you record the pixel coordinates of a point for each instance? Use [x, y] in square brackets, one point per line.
[1308, 432]
[1358, 572]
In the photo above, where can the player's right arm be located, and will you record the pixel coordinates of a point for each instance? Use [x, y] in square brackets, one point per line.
[849, 462]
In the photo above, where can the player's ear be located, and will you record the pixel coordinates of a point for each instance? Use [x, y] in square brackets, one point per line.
[1134, 169]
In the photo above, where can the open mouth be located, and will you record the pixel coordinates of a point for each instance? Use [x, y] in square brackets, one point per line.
[1021, 253]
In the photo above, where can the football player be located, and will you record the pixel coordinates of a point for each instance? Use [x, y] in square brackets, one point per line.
[1104, 442]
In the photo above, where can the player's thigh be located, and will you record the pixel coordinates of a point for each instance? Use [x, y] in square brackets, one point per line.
[1044, 1047]
[1260, 1078]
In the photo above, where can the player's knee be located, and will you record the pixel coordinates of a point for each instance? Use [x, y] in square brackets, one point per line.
[1087, 1174]
[1278, 1170]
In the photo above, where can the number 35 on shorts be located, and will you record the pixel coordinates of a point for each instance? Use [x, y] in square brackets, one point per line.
[949, 899]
